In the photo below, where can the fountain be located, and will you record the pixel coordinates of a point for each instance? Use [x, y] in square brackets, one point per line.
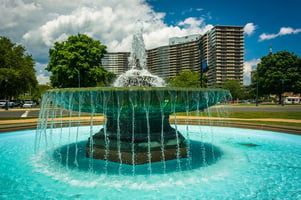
[137, 112]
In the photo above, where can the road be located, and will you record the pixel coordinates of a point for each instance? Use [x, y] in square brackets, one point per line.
[16, 113]
[29, 113]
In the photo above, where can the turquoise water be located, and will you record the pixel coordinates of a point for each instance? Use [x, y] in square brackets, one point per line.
[225, 163]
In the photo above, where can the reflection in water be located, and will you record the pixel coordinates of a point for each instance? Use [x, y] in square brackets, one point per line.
[74, 156]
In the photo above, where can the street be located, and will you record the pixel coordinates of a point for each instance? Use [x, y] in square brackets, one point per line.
[17, 113]
[34, 112]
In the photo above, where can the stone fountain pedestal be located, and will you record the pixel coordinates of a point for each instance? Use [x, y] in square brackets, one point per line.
[137, 139]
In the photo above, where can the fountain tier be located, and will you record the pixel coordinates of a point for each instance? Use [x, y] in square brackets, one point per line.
[137, 128]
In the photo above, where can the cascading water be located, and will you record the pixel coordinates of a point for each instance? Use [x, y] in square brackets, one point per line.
[138, 75]
[135, 116]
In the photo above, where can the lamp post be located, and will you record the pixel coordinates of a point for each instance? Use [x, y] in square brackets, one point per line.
[6, 101]
[282, 90]
[257, 86]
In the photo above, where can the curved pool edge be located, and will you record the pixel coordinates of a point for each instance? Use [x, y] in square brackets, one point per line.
[17, 125]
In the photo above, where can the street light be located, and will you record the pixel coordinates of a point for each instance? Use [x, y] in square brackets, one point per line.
[257, 86]
[6, 101]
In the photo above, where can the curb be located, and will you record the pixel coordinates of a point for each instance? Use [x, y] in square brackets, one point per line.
[11, 127]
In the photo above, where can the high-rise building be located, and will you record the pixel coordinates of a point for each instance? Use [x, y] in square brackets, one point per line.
[182, 53]
[225, 54]
[116, 62]
[222, 47]
[158, 61]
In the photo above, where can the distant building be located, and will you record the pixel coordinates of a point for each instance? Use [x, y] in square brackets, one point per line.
[181, 54]
[225, 54]
[158, 61]
[222, 47]
[116, 62]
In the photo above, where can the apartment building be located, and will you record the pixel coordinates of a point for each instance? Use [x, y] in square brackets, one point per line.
[116, 62]
[225, 54]
[222, 47]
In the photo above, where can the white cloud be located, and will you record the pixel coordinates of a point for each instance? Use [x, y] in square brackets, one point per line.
[41, 74]
[112, 24]
[282, 31]
[43, 79]
[265, 36]
[248, 67]
[191, 22]
[13, 12]
[249, 28]
[288, 30]
[40, 23]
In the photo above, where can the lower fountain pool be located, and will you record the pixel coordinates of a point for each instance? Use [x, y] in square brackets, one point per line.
[224, 163]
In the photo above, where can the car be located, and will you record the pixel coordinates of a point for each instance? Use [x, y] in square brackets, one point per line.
[16, 103]
[2, 103]
[29, 104]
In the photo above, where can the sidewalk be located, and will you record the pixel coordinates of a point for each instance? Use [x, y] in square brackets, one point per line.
[25, 124]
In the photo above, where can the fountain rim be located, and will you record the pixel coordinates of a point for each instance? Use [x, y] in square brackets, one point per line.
[120, 89]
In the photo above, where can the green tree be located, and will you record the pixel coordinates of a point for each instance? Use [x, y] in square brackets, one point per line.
[278, 73]
[186, 78]
[77, 63]
[234, 87]
[17, 73]
[39, 91]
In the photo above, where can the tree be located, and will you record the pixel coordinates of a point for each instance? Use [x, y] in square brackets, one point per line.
[186, 78]
[278, 73]
[234, 87]
[17, 73]
[77, 63]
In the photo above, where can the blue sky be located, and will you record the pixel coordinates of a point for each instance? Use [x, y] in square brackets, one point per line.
[273, 24]
[38, 24]
[268, 17]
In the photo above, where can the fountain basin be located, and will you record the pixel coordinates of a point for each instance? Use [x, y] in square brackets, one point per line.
[220, 167]
[137, 128]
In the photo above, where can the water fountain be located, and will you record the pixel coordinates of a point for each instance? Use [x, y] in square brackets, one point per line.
[137, 111]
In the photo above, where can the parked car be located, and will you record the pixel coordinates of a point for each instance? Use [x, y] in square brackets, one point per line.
[29, 104]
[16, 103]
[3, 104]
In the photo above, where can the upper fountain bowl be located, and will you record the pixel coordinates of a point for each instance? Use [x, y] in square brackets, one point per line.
[136, 99]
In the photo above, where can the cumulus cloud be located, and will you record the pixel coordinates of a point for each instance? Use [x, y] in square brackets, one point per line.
[13, 12]
[249, 66]
[112, 24]
[249, 28]
[43, 79]
[41, 74]
[38, 24]
[282, 31]
[191, 22]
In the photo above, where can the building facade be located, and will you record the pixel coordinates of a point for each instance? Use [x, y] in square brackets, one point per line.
[225, 54]
[222, 47]
[158, 61]
[116, 63]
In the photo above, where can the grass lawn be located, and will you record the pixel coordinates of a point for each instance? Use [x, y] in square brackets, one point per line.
[249, 115]
[254, 115]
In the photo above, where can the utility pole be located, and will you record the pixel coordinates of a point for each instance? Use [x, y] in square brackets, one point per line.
[6, 100]
[257, 86]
